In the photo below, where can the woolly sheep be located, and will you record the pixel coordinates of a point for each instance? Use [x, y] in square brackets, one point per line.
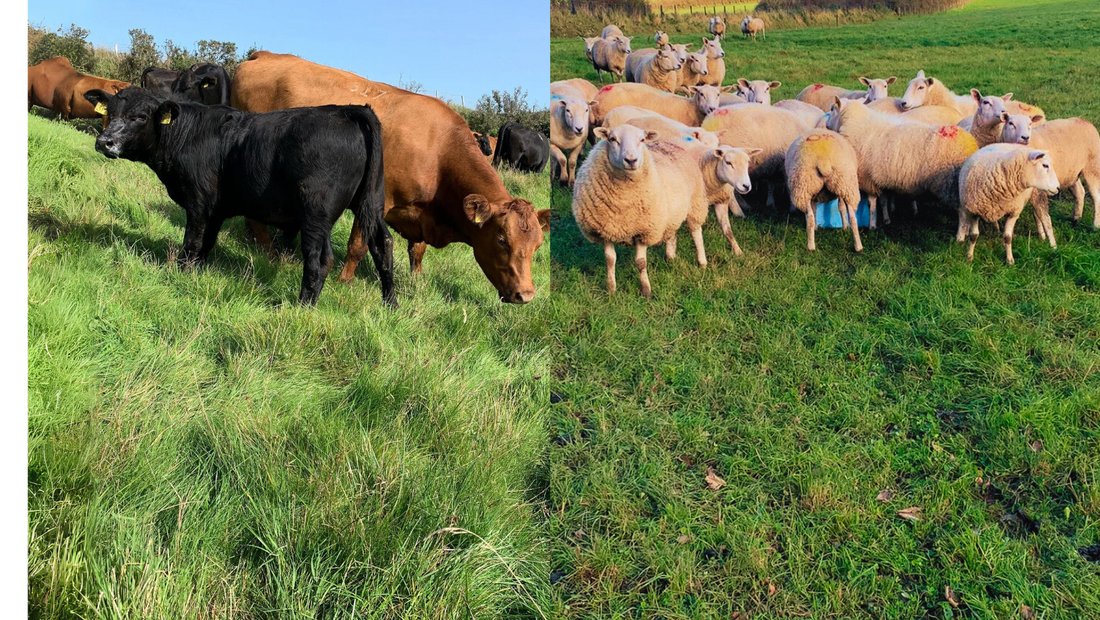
[988, 120]
[750, 26]
[610, 32]
[1074, 147]
[930, 91]
[728, 98]
[905, 157]
[671, 131]
[717, 26]
[589, 43]
[610, 55]
[634, 190]
[757, 91]
[660, 39]
[569, 117]
[822, 95]
[694, 69]
[932, 115]
[822, 165]
[621, 114]
[689, 111]
[716, 64]
[657, 68]
[996, 182]
[809, 114]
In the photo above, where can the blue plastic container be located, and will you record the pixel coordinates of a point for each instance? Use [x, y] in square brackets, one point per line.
[828, 214]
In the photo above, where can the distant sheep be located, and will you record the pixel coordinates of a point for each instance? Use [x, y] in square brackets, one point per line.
[634, 190]
[822, 165]
[751, 26]
[717, 26]
[757, 91]
[822, 95]
[589, 43]
[610, 55]
[997, 182]
[1074, 148]
[660, 39]
[657, 68]
[610, 32]
[904, 157]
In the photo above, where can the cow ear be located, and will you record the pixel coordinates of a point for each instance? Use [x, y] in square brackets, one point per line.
[544, 219]
[167, 112]
[478, 208]
[209, 81]
[99, 99]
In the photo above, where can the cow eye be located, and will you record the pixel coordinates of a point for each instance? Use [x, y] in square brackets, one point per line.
[501, 241]
[141, 117]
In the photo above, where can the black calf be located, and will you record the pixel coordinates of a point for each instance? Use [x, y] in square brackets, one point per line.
[524, 149]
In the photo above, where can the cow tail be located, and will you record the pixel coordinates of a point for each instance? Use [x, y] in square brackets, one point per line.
[371, 203]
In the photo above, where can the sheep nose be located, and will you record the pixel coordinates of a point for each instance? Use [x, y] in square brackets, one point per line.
[1025, 139]
[631, 163]
[744, 188]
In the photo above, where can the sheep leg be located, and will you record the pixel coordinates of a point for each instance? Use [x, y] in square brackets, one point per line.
[972, 223]
[563, 169]
[964, 225]
[1093, 180]
[1041, 205]
[843, 212]
[573, 165]
[670, 247]
[872, 202]
[811, 227]
[771, 195]
[914, 207]
[700, 251]
[1010, 225]
[851, 210]
[643, 271]
[609, 258]
[887, 208]
[739, 205]
[721, 211]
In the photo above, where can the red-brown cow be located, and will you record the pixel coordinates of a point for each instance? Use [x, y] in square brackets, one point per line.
[54, 84]
[439, 187]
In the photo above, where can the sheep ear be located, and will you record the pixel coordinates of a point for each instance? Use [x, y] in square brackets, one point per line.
[691, 89]
[920, 74]
[753, 152]
[976, 94]
[727, 89]
[1007, 96]
[1038, 118]
[864, 81]
[930, 81]
[651, 136]
[601, 132]
[742, 82]
[837, 102]
[1032, 156]
[890, 80]
[775, 85]
[593, 103]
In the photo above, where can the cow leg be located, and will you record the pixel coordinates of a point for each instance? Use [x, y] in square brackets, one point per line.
[198, 239]
[416, 255]
[316, 260]
[381, 250]
[356, 251]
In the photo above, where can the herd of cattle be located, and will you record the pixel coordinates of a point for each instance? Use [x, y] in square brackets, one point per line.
[291, 144]
[660, 159]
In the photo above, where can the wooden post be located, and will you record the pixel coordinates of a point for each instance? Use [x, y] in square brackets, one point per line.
[462, 98]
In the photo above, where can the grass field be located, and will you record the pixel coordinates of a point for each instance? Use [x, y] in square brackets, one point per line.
[202, 447]
[810, 383]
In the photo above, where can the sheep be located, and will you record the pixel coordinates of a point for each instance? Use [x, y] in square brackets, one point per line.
[768, 128]
[822, 165]
[671, 131]
[589, 43]
[930, 91]
[693, 71]
[717, 26]
[621, 114]
[1074, 147]
[610, 32]
[610, 55]
[689, 111]
[716, 64]
[658, 69]
[986, 123]
[997, 181]
[569, 117]
[932, 115]
[660, 39]
[635, 190]
[1018, 107]
[905, 157]
[727, 98]
[757, 91]
[752, 25]
[822, 95]
[809, 114]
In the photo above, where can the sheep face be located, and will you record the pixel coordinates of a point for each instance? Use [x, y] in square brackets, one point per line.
[877, 89]
[1044, 179]
[667, 61]
[697, 62]
[756, 91]
[573, 114]
[589, 43]
[626, 146]
[990, 109]
[917, 91]
[713, 48]
[623, 44]
[660, 38]
[707, 138]
[706, 97]
[681, 50]
[733, 167]
[1017, 129]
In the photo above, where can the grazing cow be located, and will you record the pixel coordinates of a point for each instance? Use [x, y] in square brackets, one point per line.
[487, 144]
[157, 80]
[439, 188]
[204, 83]
[43, 78]
[295, 169]
[524, 149]
[54, 84]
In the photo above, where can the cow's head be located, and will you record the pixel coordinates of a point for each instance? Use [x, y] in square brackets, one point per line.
[483, 143]
[507, 235]
[199, 87]
[135, 121]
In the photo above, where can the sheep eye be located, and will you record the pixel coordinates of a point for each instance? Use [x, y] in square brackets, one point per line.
[1046, 165]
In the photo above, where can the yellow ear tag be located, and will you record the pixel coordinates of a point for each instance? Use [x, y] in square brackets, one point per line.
[477, 219]
[166, 119]
[101, 108]
[207, 85]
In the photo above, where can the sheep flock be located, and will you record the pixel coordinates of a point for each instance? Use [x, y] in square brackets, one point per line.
[672, 138]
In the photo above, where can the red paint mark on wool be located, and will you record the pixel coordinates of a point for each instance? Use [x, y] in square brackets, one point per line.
[721, 111]
[1025, 107]
[607, 88]
[818, 86]
[949, 131]
[818, 136]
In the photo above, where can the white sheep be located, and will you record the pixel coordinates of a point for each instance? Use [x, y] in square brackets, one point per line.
[1074, 147]
[811, 115]
[750, 26]
[757, 91]
[716, 63]
[660, 39]
[988, 120]
[717, 26]
[671, 131]
[610, 32]
[569, 117]
[689, 111]
[900, 156]
[822, 165]
[694, 70]
[610, 55]
[657, 68]
[635, 190]
[996, 182]
[589, 43]
[822, 95]
[932, 115]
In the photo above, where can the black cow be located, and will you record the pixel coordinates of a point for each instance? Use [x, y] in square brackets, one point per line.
[483, 143]
[524, 149]
[297, 169]
[203, 83]
[158, 80]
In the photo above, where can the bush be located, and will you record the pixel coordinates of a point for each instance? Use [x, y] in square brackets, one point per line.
[72, 45]
[143, 54]
[494, 110]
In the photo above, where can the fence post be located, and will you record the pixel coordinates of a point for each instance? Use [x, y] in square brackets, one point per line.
[463, 99]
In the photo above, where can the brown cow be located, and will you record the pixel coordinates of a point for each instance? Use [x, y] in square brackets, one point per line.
[43, 78]
[55, 85]
[439, 188]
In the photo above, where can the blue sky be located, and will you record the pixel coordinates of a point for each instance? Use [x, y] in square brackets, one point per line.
[463, 47]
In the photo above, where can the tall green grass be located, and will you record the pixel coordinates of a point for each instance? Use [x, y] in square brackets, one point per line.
[202, 447]
[811, 382]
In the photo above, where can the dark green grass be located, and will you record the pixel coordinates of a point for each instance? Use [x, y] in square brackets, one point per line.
[810, 382]
[202, 447]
